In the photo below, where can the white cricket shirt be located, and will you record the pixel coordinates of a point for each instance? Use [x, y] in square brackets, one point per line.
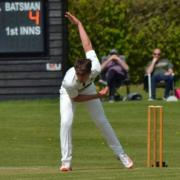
[70, 83]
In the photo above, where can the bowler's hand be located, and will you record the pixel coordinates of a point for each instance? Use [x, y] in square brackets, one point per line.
[72, 18]
[103, 92]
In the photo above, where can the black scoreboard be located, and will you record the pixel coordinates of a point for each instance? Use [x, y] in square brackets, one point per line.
[33, 48]
[22, 28]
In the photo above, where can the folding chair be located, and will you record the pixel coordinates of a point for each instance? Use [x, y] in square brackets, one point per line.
[172, 97]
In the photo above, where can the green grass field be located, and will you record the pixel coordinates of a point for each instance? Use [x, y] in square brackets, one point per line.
[29, 142]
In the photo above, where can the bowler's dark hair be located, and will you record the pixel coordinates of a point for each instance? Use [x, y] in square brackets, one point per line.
[82, 66]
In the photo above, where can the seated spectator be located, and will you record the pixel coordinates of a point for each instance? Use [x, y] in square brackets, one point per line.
[114, 68]
[160, 70]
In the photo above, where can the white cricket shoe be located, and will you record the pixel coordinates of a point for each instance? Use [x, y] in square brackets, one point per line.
[126, 160]
[65, 169]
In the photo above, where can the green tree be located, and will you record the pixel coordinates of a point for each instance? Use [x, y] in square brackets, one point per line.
[134, 28]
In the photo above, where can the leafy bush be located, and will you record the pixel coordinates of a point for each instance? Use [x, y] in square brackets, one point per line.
[134, 28]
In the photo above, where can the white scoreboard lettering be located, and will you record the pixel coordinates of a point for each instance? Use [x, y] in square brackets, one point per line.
[22, 26]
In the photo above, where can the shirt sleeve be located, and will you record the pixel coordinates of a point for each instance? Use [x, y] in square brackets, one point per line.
[69, 85]
[96, 67]
[72, 92]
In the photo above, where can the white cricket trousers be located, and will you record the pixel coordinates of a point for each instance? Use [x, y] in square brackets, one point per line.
[94, 107]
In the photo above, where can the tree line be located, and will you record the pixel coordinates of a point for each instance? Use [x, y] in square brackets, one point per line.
[133, 27]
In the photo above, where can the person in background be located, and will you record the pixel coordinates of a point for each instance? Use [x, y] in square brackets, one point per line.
[160, 69]
[115, 70]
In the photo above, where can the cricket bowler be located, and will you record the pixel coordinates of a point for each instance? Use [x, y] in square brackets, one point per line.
[78, 86]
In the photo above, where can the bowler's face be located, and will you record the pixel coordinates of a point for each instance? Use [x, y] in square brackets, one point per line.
[83, 77]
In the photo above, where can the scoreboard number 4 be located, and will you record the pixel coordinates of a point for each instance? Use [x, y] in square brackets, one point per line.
[22, 27]
[35, 17]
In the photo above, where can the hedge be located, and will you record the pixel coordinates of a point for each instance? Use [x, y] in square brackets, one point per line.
[134, 28]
